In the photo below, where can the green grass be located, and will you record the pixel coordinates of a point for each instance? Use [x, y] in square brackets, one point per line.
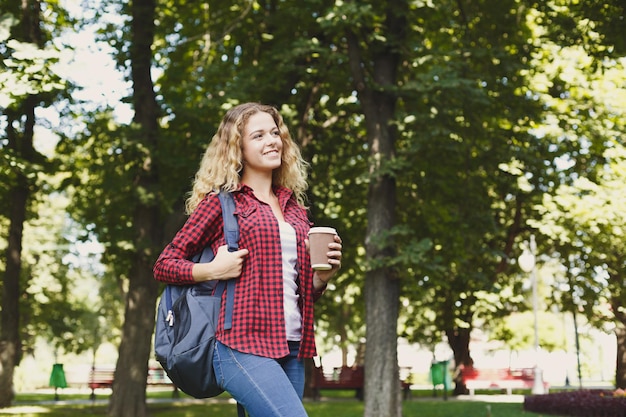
[422, 408]
[338, 404]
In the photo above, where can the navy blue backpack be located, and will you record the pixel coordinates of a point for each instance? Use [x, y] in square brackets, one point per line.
[187, 318]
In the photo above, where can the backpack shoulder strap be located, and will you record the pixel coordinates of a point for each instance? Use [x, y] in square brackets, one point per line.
[231, 234]
[231, 227]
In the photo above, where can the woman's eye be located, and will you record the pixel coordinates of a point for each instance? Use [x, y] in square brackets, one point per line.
[261, 135]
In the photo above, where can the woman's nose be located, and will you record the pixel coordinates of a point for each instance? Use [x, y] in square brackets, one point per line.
[272, 138]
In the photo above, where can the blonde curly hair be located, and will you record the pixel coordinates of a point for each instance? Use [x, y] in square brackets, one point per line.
[222, 163]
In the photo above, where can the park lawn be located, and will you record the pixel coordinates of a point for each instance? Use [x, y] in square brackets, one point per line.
[339, 405]
[422, 408]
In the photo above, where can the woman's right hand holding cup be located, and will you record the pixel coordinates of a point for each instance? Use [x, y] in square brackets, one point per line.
[325, 249]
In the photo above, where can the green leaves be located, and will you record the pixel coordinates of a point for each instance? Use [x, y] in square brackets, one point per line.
[27, 69]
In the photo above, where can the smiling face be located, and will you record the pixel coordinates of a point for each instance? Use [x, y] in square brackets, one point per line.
[261, 145]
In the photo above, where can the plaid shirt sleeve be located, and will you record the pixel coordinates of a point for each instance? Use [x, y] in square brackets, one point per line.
[204, 226]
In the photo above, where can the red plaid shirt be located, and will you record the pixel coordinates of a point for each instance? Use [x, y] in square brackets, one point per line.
[258, 316]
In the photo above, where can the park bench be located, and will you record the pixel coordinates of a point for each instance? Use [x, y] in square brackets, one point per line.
[102, 377]
[502, 379]
[345, 378]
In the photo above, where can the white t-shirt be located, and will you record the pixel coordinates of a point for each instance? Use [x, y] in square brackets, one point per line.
[293, 316]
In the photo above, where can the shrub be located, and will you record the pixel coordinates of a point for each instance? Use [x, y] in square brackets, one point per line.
[581, 403]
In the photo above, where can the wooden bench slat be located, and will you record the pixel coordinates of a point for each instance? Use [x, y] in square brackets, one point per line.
[100, 378]
[347, 378]
[501, 378]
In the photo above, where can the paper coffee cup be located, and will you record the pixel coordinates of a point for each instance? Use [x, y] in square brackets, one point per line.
[319, 238]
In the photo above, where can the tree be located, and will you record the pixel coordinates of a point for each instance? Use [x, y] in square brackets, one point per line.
[580, 219]
[374, 75]
[33, 83]
[467, 129]
[114, 181]
[129, 385]
[587, 216]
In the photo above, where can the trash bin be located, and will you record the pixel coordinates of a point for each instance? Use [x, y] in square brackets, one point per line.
[439, 375]
[57, 379]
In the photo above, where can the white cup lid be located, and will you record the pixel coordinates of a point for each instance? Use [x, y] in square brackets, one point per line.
[322, 230]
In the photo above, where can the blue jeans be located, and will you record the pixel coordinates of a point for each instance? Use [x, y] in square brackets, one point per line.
[265, 387]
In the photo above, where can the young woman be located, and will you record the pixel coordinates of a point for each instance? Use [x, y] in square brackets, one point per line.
[259, 361]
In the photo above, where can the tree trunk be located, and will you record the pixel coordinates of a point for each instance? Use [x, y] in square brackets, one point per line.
[10, 342]
[620, 333]
[620, 370]
[382, 390]
[382, 288]
[129, 386]
[458, 339]
[382, 292]
[21, 142]
[309, 385]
